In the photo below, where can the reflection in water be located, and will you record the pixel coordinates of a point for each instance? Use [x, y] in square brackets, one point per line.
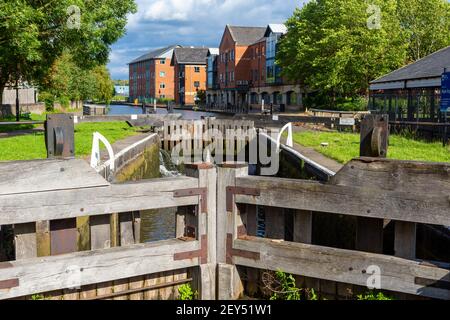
[157, 225]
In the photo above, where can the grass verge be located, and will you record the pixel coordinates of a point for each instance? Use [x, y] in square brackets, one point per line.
[32, 146]
[345, 146]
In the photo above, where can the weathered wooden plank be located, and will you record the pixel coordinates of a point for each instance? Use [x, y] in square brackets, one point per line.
[137, 222]
[405, 240]
[44, 175]
[167, 292]
[226, 177]
[230, 286]
[395, 175]
[208, 221]
[126, 239]
[43, 238]
[64, 236]
[178, 275]
[346, 266]
[137, 283]
[50, 273]
[208, 281]
[25, 240]
[52, 205]
[71, 294]
[84, 234]
[151, 280]
[101, 239]
[347, 200]
[303, 226]
[100, 232]
[126, 229]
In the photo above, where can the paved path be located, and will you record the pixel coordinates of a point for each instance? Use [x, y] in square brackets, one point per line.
[314, 155]
[318, 158]
[16, 133]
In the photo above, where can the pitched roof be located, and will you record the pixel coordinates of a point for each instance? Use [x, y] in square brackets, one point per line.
[275, 28]
[191, 55]
[246, 35]
[431, 66]
[154, 54]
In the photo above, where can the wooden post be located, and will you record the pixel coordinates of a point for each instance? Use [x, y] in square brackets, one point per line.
[230, 284]
[303, 226]
[43, 238]
[206, 226]
[25, 240]
[228, 221]
[374, 143]
[405, 239]
[100, 239]
[126, 238]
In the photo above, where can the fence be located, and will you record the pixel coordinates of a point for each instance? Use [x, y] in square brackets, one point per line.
[78, 235]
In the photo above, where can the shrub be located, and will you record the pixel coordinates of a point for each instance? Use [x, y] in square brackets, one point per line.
[48, 99]
[186, 292]
[374, 296]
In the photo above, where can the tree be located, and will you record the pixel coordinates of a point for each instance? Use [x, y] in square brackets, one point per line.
[427, 24]
[332, 46]
[66, 81]
[105, 86]
[34, 33]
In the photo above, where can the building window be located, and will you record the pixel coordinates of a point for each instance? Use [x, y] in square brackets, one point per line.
[162, 96]
[162, 85]
[162, 74]
[232, 75]
[197, 69]
[197, 84]
[162, 61]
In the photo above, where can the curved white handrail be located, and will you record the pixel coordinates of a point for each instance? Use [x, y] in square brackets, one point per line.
[290, 140]
[95, 154]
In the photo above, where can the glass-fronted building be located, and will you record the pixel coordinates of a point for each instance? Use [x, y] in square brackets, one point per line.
[412, 93]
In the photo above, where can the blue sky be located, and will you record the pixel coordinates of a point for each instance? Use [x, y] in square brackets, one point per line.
[160, 23]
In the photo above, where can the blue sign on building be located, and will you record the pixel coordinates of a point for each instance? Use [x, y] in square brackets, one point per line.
[445, 92]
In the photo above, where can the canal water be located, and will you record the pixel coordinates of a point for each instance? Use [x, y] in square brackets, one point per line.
[186, 114]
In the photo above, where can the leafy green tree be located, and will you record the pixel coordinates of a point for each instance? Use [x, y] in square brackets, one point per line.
[34, 33]
[331, 46]
[105, 86]
[427, 24]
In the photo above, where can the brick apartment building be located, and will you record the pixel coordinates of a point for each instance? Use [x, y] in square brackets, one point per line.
[247, 72]
[152, 75]
[190, 73]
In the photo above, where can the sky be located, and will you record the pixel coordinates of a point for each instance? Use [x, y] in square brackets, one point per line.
[160, 23]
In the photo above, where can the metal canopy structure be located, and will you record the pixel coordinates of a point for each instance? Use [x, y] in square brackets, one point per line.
[412, 93]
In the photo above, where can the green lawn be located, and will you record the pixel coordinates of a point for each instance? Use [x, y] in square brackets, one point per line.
[33, 146]
[345, 146]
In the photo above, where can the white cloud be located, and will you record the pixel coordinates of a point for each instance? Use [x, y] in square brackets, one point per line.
[160, 23]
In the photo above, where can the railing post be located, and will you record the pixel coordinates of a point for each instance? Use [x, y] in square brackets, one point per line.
[206, 226]
[228, 221]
